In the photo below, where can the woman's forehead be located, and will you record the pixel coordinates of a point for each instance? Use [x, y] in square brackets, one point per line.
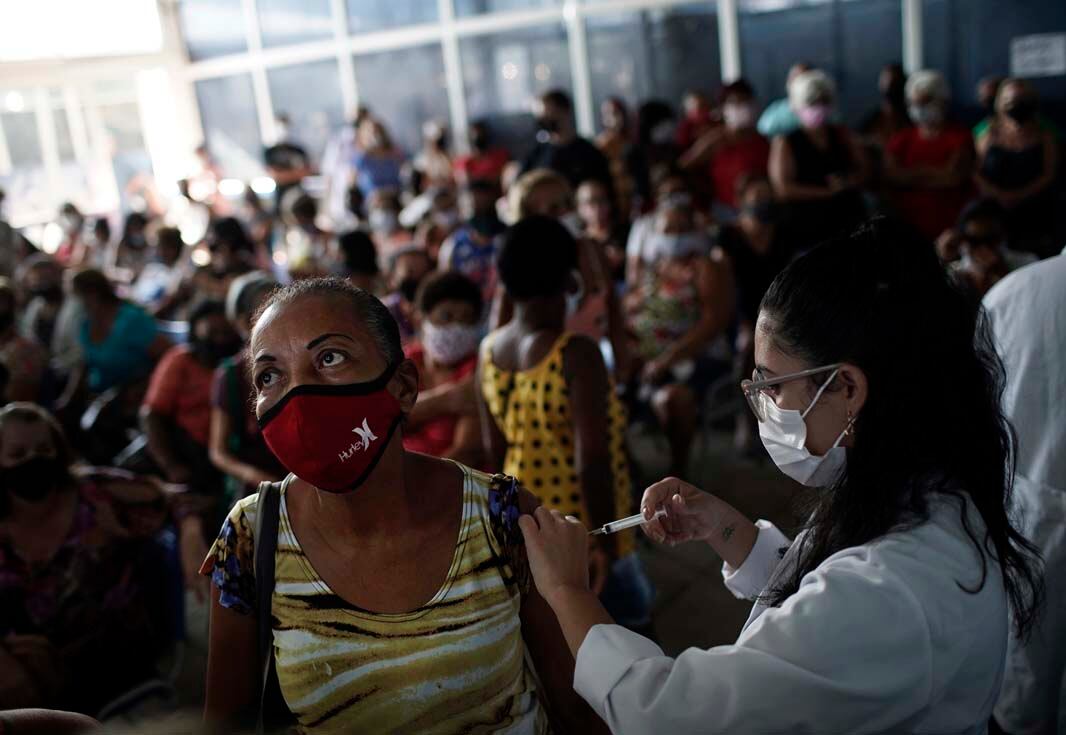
[16, 431]
[307, 317]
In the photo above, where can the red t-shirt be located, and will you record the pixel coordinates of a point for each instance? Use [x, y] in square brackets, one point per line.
[931, 211]
[487, 166]
[180, 389]
[748, 156]
[435, 437]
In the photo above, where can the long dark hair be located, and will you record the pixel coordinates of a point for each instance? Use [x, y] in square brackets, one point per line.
[932, 423]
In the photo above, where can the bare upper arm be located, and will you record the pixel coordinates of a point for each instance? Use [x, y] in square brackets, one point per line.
[781, 164]
[232, 657]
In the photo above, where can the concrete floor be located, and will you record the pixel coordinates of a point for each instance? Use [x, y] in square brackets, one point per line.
[692, 607]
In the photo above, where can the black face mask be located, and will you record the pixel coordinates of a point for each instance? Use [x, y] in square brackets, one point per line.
[762, 212]
[487, 225]
[1022, 112]
[31, 480]
[52, 293]
[137, 242]
[479, 142]
[213, 353]
[409, 289]
[548, 124]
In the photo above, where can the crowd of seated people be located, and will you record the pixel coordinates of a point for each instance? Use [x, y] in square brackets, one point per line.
[549, 301]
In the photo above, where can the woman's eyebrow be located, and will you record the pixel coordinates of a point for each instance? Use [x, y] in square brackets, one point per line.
[266, 358]
[319, 340]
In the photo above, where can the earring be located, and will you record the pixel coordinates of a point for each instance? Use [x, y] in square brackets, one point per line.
[849, 426]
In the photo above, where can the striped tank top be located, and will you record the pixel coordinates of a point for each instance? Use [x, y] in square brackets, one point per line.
[456, 664]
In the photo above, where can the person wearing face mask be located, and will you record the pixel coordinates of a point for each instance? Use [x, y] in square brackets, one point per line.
[1016, 165]
[818, 169]
[779, 118]
[471, 249]
[600, 227]
[374, 589]
[83, 616]
[485, 162]
[408, 267]
[889, 610]
[734, 150]
[130, 254]
[697, 120]
[678, 316]
[176, 411]
[449, 316]
[559, 148]
[286, 161]
[756, 249]
[550, 413]
[891, 114]
[432, 163]
[984, 255]
[656, 139]
[24, 359]
[629, 170]
[593, 308]
[72, 249]
[929, 166]
[377, 160]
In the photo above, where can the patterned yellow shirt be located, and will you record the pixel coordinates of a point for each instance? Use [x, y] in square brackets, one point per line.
[532, 409]
[454, 665]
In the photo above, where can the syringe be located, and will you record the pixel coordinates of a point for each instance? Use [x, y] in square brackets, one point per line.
[623, 523]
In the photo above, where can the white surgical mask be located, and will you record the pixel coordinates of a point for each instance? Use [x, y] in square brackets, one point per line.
[383, 221]
[678, 245]
[737, 116]
[926, 114]
[784, 434]
[451, 343]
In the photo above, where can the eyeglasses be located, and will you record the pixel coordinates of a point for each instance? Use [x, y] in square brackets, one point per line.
[753, 388]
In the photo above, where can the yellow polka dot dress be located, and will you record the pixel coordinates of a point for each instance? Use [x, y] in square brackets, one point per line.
[532, 409]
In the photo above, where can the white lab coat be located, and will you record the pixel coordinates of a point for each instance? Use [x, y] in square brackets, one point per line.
[1027, 310]
[879, 638]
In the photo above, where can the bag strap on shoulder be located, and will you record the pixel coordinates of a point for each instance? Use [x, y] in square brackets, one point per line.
[266, 544]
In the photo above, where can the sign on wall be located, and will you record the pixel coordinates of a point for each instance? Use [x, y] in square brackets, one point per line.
[1040, 55]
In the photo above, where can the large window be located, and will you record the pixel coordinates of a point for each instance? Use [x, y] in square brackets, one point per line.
[283, 22]
[377, 15]
[970, 39]
[213, 28]
[654, 54]
[850, 39]
[404, 88]
[480, 7]
[231, 128]
[503, 72]
[310, 94]
[26, 183]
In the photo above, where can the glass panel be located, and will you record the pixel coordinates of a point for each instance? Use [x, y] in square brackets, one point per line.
[213, 27]
[503, 72]
[970, 39]
[404, 107]
[375, 15]
[293, 21]
[654, 54]
[310, 94]
[231, 130]
[129, 158]
[63, 140]
[860, 60]
[775, 34]
[480, 7]
[28, 195]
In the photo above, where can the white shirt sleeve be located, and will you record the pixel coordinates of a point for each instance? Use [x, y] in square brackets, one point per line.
[849, 652]
[749, 579]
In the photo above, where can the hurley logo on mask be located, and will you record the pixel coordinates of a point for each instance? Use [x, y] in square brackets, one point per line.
[366, 436]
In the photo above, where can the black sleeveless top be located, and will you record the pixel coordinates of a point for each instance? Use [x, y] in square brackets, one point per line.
[1012, 170]
[814, 165]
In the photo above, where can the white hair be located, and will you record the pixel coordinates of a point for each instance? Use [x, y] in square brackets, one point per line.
[809, 86]
[927, 83]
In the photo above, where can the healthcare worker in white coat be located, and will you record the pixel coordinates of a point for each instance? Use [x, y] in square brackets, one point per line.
[1027, 310]
[877, 383]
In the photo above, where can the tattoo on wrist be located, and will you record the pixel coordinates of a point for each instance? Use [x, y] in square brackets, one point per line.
[727, 532]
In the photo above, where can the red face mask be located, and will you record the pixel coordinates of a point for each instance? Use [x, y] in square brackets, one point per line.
[332, 436]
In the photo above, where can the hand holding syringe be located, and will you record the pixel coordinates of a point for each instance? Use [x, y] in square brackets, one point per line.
[623, 523]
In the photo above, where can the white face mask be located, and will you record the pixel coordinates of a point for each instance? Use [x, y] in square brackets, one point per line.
[572, 222]
[738, 115]
[679, 245]
[784, 434]
[451, 343]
